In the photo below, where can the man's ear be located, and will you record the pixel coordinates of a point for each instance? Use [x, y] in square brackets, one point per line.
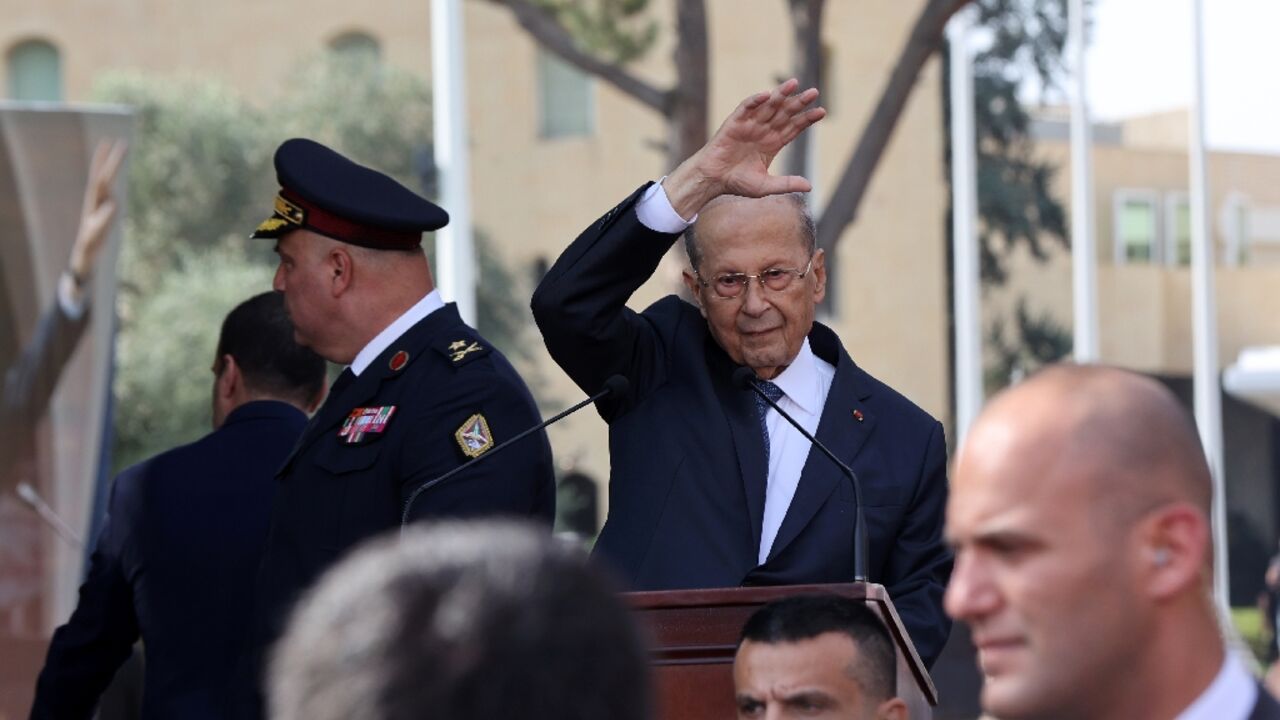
[1173, 550]
[230, 380]
[892, 709]
[341, 267]
[819, 271]
[691, 283]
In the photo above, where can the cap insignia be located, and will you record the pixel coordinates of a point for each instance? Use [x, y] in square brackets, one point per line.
[289, 211]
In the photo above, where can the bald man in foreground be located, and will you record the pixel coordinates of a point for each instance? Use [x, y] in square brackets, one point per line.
[1079, 512]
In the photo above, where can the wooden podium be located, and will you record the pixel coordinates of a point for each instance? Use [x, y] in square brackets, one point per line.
[695, 635]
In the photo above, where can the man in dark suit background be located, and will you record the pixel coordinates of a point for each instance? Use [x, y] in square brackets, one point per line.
[1084, 563]
[179, 551]
[705, 489]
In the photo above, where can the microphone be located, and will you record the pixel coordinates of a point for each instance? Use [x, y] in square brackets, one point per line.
[31, 497]
[614, 388]
[744, 378]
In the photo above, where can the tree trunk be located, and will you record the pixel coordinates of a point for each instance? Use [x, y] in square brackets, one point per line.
[806, 59]
[686, 108]
[925, 39]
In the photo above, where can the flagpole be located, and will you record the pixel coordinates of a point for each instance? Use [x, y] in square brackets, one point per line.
[964, 214]
[1204, 326]
[455, 256]
[1084, 254]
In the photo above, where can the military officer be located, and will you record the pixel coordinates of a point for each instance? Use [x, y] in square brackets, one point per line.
[422, 392]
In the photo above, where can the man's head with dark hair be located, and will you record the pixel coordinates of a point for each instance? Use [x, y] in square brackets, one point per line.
[822, 656]
[257, 359]
[461, 621]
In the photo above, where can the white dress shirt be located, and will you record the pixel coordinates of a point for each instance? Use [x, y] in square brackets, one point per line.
[424, 307]
[1231, 695]
[804, 383]
[655, 211]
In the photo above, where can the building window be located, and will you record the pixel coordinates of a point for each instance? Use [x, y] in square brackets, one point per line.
[1177, 226]
[566, 99]
[1136, 227]
[357, 47]
[35, 71]
[1235, 228]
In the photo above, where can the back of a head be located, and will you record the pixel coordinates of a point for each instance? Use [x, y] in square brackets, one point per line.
[259, 335]
[804, 617]
[461, 621]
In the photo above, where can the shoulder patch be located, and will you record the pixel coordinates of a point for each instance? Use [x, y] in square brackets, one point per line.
[474, 436]
[463, 350]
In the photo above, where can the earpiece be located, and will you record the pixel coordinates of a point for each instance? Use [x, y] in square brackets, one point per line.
[1160, 557]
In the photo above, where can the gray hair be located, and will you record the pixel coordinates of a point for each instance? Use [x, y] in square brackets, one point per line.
[461, 621]
[808, 229]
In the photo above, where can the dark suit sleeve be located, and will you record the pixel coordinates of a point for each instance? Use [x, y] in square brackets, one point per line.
[580, 306]
[30, 381]
[85, 653]
[919, 566]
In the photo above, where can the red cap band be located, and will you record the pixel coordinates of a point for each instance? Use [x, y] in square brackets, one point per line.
[340, 228]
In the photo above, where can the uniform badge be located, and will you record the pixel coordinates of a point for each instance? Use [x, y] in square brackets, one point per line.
[460, 349]
[363, 421]
[474, 436]
[398, 361]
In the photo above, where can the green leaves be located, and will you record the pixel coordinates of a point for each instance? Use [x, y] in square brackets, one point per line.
[617, 31]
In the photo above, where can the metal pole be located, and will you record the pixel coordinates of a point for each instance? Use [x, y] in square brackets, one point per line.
[455, 256]
[1084, 254]
[964, 177]
[1204, 326]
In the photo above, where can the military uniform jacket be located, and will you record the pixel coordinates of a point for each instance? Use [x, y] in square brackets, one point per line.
[688, 472]
[175, 563]
[437, 395]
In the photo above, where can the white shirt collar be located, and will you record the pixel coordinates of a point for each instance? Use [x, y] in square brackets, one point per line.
[424, 307]
[1231, 695]
[800, 381]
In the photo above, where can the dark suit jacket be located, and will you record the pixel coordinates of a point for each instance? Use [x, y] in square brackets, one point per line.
[334, 494]
[30, 381]
[1266, 708]
[687, 487]
[175, 562]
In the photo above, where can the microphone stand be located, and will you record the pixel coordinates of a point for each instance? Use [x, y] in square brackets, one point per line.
[745, 378]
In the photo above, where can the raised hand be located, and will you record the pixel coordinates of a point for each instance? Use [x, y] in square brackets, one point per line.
[736, 160]
[99, 207]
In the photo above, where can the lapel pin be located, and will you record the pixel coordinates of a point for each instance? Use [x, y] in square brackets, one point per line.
[398, 360]
[857, 415]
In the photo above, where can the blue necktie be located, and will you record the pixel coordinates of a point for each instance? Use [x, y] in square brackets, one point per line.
[774, 393]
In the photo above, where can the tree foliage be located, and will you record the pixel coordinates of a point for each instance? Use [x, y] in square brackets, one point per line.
[1035, 340]
[618, 31]
[1014, 202]
[1015, 205]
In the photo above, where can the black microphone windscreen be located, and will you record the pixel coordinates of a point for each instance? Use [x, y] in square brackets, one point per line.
[743, 377]
[617, 386]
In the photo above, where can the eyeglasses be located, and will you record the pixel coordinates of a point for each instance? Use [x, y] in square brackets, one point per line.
[731, 285]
